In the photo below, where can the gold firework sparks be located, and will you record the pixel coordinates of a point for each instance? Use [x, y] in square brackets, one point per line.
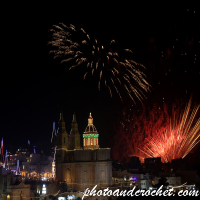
[75, 46]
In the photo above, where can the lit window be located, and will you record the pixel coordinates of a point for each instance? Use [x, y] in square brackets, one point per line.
[86, 142]
[44, 189]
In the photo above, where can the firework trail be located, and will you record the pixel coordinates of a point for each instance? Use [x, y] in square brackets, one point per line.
[180, 137]
[163, 133]
[76, 46]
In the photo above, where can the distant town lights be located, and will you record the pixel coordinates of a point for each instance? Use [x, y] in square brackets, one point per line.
[134, 179]
[70, 197]
[61, 198]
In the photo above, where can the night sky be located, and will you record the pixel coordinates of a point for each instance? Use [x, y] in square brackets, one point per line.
[35, 87]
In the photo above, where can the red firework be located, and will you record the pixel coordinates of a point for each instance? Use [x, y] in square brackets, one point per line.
[158, 133]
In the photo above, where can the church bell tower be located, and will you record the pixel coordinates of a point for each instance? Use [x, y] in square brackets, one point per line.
[61, 140]
[74, 137]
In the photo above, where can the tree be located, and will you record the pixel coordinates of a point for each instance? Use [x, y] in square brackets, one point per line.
[162, 181]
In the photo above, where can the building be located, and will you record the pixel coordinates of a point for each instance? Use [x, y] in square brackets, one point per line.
[38, 167]
[128, 179]
[30, 166]
[82, 168]
[13, 162]
[11, 187]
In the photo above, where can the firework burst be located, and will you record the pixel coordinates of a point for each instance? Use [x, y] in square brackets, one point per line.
[179, 138]
[162, 133]
[76, 46]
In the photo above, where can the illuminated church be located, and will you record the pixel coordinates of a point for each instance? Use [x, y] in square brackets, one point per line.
[81, 168]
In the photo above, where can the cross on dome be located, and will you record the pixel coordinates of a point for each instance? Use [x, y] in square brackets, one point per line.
[90, 120]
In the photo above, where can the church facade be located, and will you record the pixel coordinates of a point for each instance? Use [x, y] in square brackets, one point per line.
[82, 168]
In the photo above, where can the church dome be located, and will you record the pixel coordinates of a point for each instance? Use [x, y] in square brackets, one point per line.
[90, 127]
